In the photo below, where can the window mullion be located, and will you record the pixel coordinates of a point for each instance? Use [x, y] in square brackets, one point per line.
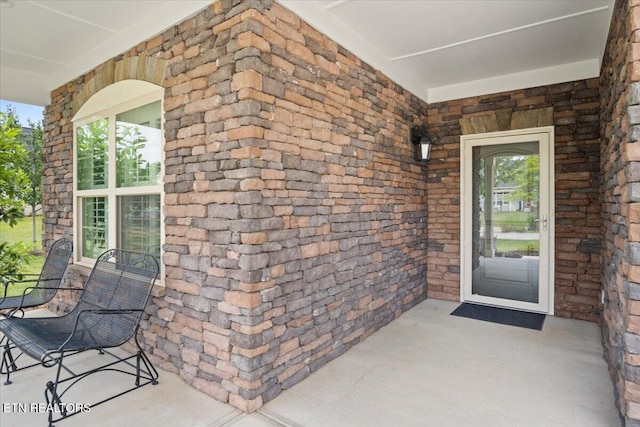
[112, 198]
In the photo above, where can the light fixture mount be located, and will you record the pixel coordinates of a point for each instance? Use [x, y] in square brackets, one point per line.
[419, 138]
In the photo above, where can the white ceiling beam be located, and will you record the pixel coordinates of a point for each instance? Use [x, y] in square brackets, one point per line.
[42, 5]
[21, 86]
[526, 79]
[335, 4]
[500, 33]
[25, 55]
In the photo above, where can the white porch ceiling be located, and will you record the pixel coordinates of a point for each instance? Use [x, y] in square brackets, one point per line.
[437, 49]
[46, 43]
[450, 49]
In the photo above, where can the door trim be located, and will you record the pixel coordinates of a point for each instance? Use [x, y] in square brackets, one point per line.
[547, 178]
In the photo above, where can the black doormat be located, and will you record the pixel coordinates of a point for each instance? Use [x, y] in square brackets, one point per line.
[521, 319]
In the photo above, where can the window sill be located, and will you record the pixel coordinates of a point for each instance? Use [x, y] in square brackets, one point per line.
[84, 270]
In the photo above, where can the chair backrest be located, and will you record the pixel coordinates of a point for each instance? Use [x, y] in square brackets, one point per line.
[120, 280]
[51, 275]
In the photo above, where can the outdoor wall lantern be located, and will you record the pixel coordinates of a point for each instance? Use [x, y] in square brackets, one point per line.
[419, 138]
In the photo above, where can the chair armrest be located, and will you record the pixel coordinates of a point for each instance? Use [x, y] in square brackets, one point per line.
[6, 286]
[119, 311]
[51, 288]
[61, 288]
[23, 281]
[97, 312]
[30, 275]
[30, 288]
[36, 280]
[103, 311]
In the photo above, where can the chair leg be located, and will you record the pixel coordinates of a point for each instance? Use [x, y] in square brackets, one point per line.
[142, 356]
[53, 398]
[8, 363]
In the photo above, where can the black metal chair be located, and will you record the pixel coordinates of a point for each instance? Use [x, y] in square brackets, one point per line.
[45, 285]
[107, 315]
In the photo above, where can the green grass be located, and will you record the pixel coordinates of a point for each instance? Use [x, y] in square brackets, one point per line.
[505, 246]
[21, 232]
[515, 218]
[511, 221]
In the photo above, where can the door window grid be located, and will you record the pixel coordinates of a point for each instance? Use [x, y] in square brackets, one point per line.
[94, 226]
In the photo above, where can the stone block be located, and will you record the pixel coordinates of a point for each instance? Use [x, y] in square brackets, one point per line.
[253, 262]
[633, 291]
[197, 303]
[226, 211]
[634, 191]
[634, 114]
[633, 252]
[243, 299]
[244, 404]
[246, 79]
[250, 39]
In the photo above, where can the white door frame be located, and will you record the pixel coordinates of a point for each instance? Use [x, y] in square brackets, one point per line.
[545, 137]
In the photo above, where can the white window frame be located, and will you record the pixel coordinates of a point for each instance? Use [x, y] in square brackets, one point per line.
[114, 104]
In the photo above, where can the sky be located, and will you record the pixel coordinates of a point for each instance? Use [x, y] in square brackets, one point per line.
[23, 111]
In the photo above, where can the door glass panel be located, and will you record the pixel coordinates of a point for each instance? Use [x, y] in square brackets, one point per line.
[505, 221]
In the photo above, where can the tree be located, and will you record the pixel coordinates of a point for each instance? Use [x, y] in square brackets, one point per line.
[527, 180]
[92, 151]
[131, 167]
[12, 260]
[506, 168]
[12, 179]
[32, 167]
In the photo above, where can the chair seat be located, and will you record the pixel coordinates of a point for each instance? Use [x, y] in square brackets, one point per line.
[39, 336]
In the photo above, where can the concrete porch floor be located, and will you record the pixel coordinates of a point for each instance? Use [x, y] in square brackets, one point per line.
[427, 368]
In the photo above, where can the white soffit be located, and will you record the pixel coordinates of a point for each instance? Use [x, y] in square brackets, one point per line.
[44, 44]
[437, 49]
[446, 49]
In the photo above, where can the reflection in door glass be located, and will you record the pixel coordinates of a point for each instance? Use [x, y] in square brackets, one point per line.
[506, 238]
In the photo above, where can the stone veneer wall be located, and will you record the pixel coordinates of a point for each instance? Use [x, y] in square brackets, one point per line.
[295, 213]
[620, 152]
[572, 108]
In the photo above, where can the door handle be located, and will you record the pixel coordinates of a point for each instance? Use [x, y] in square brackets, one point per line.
[543, 221]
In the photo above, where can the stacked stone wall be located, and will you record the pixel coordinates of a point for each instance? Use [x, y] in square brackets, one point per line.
[620, 151]
[295, 213]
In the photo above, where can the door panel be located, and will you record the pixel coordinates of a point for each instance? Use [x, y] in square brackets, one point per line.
[506, 213]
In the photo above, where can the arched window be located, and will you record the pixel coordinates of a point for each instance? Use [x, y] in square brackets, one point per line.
[119, 165]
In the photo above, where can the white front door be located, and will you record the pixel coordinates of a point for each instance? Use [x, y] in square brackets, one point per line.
[507, 219]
